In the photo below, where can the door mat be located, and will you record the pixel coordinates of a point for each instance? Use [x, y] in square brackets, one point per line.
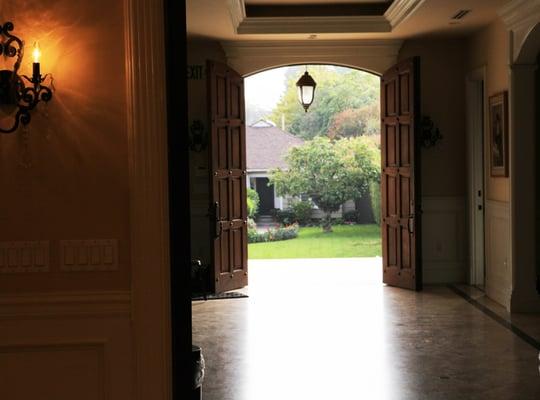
[220, 296]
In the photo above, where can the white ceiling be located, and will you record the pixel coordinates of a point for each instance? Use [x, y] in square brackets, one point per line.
[211, 19]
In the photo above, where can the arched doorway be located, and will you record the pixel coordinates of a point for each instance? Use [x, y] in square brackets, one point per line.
[400, 188]
[344, 119]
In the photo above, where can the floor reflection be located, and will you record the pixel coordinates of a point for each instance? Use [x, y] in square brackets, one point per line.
[328, 329]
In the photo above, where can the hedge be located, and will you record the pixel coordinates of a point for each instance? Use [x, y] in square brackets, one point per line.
[273, 234]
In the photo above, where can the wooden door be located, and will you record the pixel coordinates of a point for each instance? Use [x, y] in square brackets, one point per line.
[228, 182]
[400, 183]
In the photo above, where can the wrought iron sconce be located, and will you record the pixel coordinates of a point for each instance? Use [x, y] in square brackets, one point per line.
[14, 92]
[198, 139]
[429, 134]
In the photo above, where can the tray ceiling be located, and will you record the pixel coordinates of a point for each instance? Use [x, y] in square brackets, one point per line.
[227, 20]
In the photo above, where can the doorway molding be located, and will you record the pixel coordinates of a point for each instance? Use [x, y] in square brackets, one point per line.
[250, 57]
[522, 18]
[476, 120]
[148, 177]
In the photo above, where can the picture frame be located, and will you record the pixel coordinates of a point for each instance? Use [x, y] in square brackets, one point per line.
[498, 134]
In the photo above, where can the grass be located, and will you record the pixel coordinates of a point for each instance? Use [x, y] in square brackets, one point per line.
[312, 242]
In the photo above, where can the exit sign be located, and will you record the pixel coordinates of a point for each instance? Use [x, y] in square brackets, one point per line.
[195, 72]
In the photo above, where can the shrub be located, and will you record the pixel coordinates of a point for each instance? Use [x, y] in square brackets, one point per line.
[253, 235]
[337, 221]
[286, 217]
[302, 211]
[273, 234]
[350, 216]
[252, 202]
[251, 223]
[375, 194]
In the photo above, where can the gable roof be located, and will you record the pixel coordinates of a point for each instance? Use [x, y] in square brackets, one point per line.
[267, 146]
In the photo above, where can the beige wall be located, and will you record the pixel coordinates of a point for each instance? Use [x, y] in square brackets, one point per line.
[442, 81]
[199, 51]
[77, 186]
[69, 333]
[442, 69]
[489, 48]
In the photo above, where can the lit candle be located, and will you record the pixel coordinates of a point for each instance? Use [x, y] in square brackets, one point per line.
[37, 55]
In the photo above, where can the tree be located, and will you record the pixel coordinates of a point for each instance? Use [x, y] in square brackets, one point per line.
[329, 172]
[338, 89]
[354, 122]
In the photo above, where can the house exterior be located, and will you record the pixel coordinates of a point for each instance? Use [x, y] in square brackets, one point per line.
[266, 148]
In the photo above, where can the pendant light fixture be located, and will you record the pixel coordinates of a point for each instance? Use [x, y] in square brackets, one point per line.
[306, 89]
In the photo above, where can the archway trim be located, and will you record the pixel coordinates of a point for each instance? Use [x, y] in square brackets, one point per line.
[249, 57]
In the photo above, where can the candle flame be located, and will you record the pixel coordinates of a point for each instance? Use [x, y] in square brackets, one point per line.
[36, 53]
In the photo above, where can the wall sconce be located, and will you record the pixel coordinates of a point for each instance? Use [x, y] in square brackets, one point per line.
[430, 135]
[197, 136]
[14, 93]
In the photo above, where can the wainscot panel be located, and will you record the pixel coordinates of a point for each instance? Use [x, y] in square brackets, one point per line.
[443, 239]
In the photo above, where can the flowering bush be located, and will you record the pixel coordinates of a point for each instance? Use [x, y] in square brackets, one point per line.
[273, 234]
[251, 224]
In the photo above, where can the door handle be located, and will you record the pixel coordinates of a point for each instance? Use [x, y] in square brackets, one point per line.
[217, 217]
[196, 264]
[411, 224]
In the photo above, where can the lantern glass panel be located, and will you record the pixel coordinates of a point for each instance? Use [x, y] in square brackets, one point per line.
[305, 94]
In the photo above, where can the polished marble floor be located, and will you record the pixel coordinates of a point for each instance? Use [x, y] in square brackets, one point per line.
[328, 329]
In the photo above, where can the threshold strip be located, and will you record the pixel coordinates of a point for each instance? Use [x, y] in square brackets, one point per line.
[497, 318]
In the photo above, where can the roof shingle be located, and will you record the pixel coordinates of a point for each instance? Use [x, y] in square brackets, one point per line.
[267, 147]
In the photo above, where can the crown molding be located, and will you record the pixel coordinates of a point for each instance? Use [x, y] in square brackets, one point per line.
[396, 13]
[400, 10]
[237, 11]
[520, 17]
[520, 13]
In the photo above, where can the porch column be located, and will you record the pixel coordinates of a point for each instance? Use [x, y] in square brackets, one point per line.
[524, 297]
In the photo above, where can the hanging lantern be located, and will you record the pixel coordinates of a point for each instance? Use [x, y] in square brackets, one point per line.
[306, 90]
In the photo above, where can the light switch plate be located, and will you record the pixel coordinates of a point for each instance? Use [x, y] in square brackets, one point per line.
[89, 255]
[24, 256]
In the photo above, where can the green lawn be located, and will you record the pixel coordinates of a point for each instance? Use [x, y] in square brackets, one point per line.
[345, 241]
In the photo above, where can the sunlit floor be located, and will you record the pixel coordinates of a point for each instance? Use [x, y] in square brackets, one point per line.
[328, 329]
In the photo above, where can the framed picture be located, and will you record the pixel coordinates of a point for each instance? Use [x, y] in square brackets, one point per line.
[498, 134]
